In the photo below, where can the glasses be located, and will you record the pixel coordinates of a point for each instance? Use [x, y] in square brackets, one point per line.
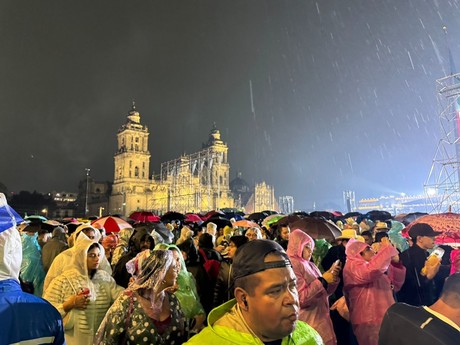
[94, 255]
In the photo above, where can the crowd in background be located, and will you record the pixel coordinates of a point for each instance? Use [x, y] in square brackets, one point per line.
[141, 285]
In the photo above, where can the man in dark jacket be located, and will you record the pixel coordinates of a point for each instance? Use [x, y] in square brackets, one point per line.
[419, 289]
[139, 241]
[52, 248]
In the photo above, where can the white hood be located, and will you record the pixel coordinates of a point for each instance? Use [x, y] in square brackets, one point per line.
[10, 241]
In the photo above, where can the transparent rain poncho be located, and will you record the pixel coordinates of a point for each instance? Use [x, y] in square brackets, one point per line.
[132, 319]
[81, 325]
[186, 292]
[31, 266]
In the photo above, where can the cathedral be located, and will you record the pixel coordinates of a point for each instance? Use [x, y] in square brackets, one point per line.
[191, 183]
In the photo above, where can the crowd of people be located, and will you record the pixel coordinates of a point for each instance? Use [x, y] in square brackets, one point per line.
[225, 285]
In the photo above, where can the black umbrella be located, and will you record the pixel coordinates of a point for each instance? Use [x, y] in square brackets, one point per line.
[317, 228]
[286, 220]
[269, 212]
[172, 215]
[257, 216]
[378, 215]
[352, 215]
[410, 217]
[221, 222]
[324, 214]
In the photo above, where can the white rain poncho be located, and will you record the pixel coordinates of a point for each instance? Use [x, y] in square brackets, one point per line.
[63, 260]
[81, 325]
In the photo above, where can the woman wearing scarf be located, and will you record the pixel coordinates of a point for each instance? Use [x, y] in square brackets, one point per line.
[83, 293]
[369, 282]
[186, 291]
[147, 312]
[313, 287]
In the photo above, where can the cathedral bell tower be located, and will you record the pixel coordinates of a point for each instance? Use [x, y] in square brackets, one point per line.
[132, 163]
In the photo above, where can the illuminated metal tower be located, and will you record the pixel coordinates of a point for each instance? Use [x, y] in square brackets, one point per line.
[442, 184]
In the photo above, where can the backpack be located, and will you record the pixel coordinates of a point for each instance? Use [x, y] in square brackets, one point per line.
[211, 266]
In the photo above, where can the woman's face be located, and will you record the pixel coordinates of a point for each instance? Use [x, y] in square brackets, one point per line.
[368, 253]
[307, 251]
[93, 259]
[285, 233]
[231, 250]
[171, 274]
[251, 235]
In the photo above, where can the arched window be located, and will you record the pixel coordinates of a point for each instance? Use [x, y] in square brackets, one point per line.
[136, 172]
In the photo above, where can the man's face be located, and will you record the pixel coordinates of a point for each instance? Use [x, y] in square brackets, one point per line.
[425, 242]
[368, 240]
[273, 307]
[90, 233]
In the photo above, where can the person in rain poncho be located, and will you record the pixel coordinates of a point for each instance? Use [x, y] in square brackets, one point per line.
[31, 266]
[186, 291]
[147, 312]
[61, 262]
[25, 318]
[122, 246]
[83, 293]
[313, 287]
[139, 241]
[369, 281]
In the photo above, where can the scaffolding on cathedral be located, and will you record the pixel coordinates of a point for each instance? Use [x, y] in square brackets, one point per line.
[194, 181]
[442, 184]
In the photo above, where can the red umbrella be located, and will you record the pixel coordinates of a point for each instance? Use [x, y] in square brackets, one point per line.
[446, 223]
[110, 224]
[144, 217]
[193, 218]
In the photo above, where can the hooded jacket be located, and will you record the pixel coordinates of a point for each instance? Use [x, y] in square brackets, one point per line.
[226, 326]
[56, 245]
[25, 317]
[313, 297]
[63, 260]
[368, 288]
[81, 325]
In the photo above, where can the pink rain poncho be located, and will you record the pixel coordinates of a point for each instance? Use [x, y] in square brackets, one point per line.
[313, 297]
[368, 288]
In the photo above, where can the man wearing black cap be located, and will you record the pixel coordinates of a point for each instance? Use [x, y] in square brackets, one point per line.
[266, 305]
[419, 289]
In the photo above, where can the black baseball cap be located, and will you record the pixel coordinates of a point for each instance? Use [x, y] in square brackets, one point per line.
[250, 258]
[422, 229]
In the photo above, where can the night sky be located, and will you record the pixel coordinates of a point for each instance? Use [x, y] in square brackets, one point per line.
[343, 92]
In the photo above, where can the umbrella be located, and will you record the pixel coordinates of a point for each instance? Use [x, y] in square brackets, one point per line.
[172, 215]
[290, 218]
[446, 223]
[317, 228]
[352, 215]
[410, 217]
[272, 219]
[193, 218]
[111, 224]
[236, 216]
[213, 213]
[246, 224]
[378, 215]
[144, 217]
[221, 222]
[269, 212]
[35, 218]
[257, 216]
[325, 214]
